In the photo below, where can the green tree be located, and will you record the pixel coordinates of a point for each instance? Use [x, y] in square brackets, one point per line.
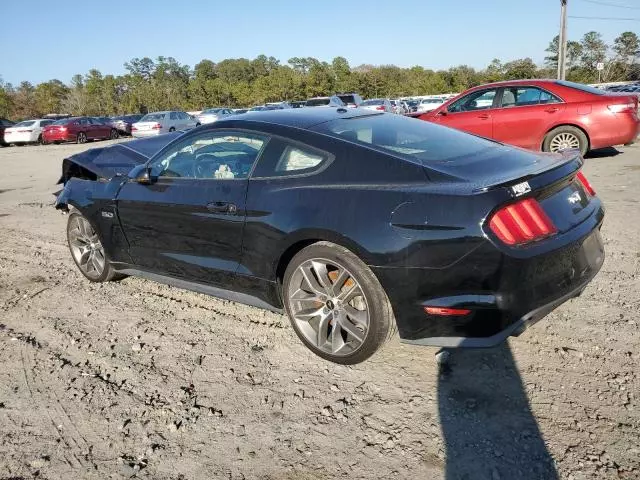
[50, 96]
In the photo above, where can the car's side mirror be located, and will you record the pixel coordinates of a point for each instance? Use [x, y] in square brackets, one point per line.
[144, 176]
[141, 174]
[442, 113]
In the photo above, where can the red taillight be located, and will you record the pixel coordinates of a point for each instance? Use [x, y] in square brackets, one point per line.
[381, 107]
[133, 129]
[157, 126]
[522, 222]
[64, 129]
[25, 131]
[447, 312]
[622, 107]
[585, 183]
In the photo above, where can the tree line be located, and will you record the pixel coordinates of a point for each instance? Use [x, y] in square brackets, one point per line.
[164, 83]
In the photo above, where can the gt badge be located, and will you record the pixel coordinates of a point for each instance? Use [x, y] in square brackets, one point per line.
[521, 188]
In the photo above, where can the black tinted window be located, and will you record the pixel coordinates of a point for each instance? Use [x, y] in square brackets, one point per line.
[418, 141]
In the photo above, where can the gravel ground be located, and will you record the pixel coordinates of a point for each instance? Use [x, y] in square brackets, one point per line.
[134, 378]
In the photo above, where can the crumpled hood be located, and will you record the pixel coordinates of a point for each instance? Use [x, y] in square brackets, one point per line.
[118, 159]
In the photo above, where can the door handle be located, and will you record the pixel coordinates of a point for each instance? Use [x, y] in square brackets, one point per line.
[551, 110]
[484, 116]
[222, 207]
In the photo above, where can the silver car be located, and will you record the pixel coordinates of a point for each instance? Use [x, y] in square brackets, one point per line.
[332, 101]
[380, 104]
[211, 115]
[158, 123]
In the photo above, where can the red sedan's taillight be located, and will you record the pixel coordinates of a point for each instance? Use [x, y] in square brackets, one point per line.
[522, 222]
[157, 126]
[585, 183]
[64, 129]
[622, 107]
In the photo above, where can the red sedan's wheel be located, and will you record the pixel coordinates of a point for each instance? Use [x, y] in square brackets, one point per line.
[566, 137]
[81, 137]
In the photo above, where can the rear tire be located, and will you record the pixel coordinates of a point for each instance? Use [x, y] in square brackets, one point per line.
[81, 137]
[87, 251]
[39, 141]
[335, 304]
[565, 137]
[172, 129]
[113, 134]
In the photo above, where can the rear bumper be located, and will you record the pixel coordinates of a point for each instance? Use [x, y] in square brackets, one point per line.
[504, 294]
[147, 133]
[49, 137]
[20, 137]
[624, 130]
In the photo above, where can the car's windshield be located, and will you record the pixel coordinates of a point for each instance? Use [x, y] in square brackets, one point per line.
[153, 117]
[581, 86]
[315, 102]
[373, 102]
[418, 141]
[26, 123]
[212, 110]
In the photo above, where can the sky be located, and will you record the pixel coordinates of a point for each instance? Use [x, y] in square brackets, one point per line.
[45, 39]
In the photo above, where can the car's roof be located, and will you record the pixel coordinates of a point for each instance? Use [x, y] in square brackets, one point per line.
[302, 117]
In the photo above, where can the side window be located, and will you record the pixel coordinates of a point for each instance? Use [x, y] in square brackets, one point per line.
[282, 158]
[480, 100]
[526, 96]
[546, 97]
[173, 116]
[294, 159]
[211, 155]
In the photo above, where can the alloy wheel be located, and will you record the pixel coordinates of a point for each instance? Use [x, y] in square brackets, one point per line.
[329, 306]
[86, 248]
[564, 141]
[82, 138]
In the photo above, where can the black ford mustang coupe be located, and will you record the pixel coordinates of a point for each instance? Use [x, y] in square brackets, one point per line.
[353, 222]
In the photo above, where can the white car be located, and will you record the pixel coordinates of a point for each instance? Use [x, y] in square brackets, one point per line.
[428, 104]
[29, 131]
[158, 123]
[398, 107]
[211, 115]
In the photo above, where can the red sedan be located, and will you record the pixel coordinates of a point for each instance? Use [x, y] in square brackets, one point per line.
[548, 115]
[77, 129]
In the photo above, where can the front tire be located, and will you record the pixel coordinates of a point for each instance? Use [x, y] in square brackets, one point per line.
[87, 250]
[335, 304]
[565, 137]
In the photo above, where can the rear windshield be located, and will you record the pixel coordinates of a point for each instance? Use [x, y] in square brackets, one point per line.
[581, 86]
[418, 141]
[26, 123]
[347, 98]
[153, 117]
[315, 102]
[212, 110]
[63, 121]
[372, 102]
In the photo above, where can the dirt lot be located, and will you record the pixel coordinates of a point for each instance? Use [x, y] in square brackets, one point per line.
[139, 379]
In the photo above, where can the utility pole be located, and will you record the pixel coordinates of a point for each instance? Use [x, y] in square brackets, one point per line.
[562, 41]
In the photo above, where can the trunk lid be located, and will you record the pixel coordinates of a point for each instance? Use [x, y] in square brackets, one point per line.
[549, 178]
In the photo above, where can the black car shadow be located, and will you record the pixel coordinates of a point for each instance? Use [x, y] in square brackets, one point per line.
[603, 153]
[488, 427]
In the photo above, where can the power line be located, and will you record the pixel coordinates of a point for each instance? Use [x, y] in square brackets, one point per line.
[598, 2]
[606, 18]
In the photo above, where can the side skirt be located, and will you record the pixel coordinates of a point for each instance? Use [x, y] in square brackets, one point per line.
[243, 298]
